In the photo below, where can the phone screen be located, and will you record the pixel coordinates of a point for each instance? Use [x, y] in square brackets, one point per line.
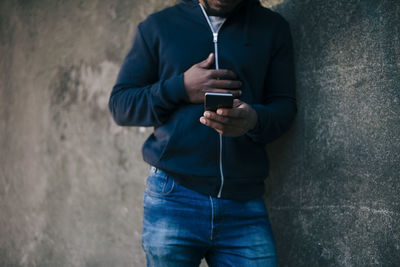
[213, 101]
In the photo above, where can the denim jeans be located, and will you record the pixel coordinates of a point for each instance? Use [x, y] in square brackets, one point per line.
[181, 226]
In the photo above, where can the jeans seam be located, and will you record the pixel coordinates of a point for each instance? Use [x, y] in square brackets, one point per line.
[212, 218]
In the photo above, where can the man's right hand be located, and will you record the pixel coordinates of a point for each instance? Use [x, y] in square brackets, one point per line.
[199, 79]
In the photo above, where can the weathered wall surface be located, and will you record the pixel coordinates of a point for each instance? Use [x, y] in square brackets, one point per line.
[71, 181]
[335, 185]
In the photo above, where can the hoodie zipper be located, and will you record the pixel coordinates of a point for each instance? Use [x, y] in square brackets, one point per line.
[215, 41]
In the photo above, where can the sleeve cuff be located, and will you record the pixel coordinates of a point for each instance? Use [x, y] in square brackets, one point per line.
[175, 90]
[257, 131]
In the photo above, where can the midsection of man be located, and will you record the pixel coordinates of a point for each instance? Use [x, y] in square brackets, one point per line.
[175, 39]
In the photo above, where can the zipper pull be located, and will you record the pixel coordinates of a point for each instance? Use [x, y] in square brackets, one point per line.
[215, 37]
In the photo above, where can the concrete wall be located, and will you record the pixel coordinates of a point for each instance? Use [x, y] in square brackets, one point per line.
[335, 184]
[71, 181]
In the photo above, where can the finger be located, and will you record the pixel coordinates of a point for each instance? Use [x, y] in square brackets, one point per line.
[213, 124]
[219, 127]
[228, 121]
[205, 64]
[223, 74]
[225, 84]
[237, 103]
[232, 112]
[235, 93]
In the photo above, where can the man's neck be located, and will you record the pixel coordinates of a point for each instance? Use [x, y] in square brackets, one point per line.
[209, 10]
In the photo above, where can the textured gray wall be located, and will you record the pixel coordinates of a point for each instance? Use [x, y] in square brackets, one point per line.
[335, 184]
[71, 181]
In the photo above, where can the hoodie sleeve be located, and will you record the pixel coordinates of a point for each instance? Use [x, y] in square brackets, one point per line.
[139, 97]
[277, 112]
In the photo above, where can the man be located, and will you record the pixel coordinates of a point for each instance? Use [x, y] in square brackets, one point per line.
[203, 196]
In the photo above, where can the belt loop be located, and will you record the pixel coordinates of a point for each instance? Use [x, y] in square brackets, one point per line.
[153, 169]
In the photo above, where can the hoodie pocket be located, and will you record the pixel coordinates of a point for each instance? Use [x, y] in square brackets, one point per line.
[187, 133]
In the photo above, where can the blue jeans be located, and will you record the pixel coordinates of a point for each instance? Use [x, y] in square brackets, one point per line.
[181, 226]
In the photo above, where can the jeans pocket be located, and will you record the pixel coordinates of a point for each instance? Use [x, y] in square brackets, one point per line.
[159, 183]
[256, 207]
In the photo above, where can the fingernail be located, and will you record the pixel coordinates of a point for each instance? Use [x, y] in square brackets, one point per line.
[219, 112]
[202, 120]
[207, 114]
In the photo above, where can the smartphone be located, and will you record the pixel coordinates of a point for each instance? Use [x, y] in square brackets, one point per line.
[213, 101]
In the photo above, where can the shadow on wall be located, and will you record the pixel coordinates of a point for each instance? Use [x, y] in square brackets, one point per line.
[332, 191]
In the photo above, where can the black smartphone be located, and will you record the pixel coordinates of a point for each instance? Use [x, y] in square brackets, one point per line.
[213, 101]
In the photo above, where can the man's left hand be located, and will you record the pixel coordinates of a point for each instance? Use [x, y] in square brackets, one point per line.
[231, 122]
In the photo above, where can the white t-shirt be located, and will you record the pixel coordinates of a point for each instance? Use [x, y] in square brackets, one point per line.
[216, 22]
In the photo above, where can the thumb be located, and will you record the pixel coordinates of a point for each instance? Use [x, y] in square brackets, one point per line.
[237, 103]
[205, 64]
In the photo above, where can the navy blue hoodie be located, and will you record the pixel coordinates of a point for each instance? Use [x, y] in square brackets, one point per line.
[256, 44]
